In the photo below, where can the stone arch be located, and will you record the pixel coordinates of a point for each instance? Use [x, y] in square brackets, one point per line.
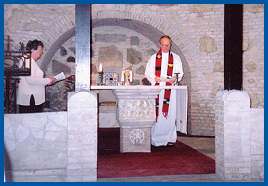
[55, 46]
[145, 29]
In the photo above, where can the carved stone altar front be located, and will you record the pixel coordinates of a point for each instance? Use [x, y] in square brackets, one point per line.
[136, 115]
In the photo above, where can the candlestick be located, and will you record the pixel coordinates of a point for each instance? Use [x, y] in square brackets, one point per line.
[100, 78]
[130, 76]
[177, 79]
[123, 76]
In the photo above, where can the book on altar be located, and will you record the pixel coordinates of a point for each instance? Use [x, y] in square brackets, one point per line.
[60, 76]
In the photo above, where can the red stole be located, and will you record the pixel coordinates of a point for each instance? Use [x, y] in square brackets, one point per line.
[158, 62]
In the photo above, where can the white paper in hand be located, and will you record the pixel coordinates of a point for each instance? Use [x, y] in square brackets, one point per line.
[60, 76]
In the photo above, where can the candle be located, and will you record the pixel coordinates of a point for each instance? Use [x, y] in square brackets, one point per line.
[130, 76]
[27, 62]
[100, 67]
[123, 76]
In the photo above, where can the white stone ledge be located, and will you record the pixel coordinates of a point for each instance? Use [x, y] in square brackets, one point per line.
[59, 171]
[129, 124]
[136, 87]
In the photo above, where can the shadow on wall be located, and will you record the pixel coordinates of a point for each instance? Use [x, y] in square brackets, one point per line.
[7, 166]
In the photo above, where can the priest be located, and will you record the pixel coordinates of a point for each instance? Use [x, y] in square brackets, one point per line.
[160, 70]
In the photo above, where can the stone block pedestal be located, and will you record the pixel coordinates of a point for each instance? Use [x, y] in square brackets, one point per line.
[135, 137]
[239, 137]
[82, 137]
[136, 115]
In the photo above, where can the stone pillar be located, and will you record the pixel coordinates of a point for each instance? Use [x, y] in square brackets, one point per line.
[135, 114]
[256, 120]
[82, 47]
[82, 137]
[234, 126]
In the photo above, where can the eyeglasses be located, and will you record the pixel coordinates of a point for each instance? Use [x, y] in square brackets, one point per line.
[165, 45]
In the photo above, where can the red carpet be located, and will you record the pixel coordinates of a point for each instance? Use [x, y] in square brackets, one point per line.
[175, 160]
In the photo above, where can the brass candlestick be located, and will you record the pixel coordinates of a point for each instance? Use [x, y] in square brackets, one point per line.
[100, 78]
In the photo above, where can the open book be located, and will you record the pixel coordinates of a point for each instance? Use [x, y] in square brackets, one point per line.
[60, 76]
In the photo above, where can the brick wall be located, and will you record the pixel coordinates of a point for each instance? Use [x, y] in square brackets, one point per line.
[253, 56]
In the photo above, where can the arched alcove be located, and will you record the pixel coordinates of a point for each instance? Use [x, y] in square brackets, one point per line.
[148, 31]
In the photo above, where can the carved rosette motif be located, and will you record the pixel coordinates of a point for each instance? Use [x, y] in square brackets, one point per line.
[136, 136]
[136, 109]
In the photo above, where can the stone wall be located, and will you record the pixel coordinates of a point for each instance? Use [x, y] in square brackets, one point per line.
[54, 146]
[28, 141]
[119, 48]
[197, 31]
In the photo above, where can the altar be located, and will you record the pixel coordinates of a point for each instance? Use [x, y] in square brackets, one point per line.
[136, 113]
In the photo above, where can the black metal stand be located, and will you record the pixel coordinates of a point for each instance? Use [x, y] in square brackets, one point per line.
[177, 83]
[10, 93]
[12, 70]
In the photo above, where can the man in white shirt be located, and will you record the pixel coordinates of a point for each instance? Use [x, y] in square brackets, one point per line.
[160, 70]
[31, 89]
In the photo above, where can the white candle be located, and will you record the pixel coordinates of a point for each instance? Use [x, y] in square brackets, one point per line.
[27, 62]
[123, 76]
[130, 76]
[100, 67]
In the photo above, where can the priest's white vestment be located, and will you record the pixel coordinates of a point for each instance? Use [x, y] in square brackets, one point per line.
[164, 130]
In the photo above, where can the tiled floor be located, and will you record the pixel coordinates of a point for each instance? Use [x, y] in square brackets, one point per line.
[175, 178]
[205, 145]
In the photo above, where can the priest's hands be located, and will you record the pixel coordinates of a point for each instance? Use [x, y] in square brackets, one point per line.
[165, 79]
[157, 79]
[171, 81]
